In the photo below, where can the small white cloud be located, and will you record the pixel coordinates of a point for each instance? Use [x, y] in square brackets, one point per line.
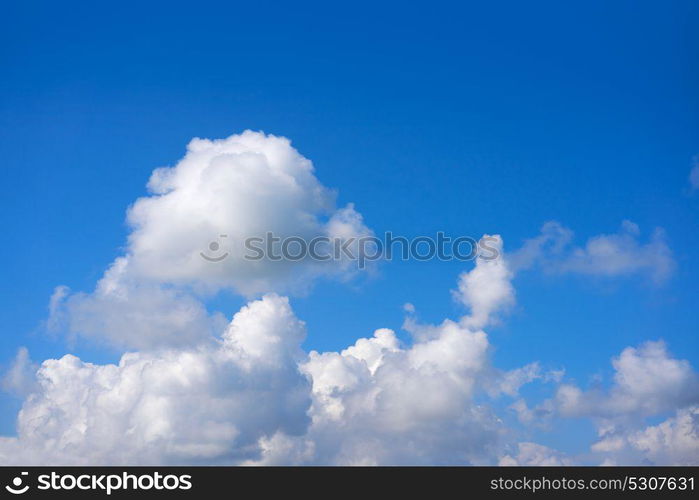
[694, 175]
[647, 381]
[531, 454]
[20, 379]
[606, 255]
[210, 404]
[524, 414]
[513, 380]
[487, 288]
[674, 441]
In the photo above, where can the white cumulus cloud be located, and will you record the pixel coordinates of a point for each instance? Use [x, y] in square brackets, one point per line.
[487, 288]
[253, 396]
[647, 381]
[205, 207]
[210, 404]
[377, 402]
[243, 186]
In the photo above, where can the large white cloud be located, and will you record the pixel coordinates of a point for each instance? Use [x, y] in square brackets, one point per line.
[243, 186]
[382, 402]
[209, 404]
[222, 192]
[377, 402]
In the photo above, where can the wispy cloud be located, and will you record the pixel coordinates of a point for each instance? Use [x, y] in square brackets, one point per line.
[606, 255]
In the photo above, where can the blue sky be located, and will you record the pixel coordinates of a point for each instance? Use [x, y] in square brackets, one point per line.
[454, 117]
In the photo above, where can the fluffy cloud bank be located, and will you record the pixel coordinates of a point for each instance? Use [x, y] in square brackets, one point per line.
[200, 389]
[198, 211]
[376, 402]
[212, 403]
[253, 396]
